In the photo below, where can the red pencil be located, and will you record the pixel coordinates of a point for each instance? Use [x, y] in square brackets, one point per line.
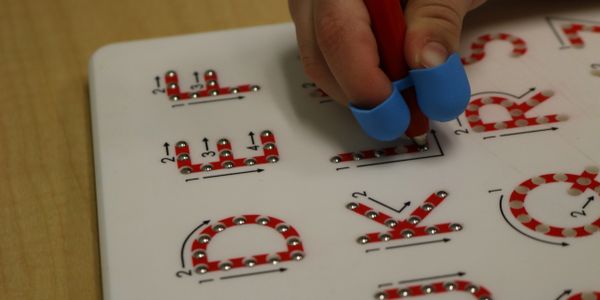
[389, 28]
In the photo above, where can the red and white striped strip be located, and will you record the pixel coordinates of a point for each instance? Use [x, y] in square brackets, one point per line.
[517, 113]
[572, 31]
[200, 257]
[478, 47]
[579, 184]
[227, 160]
[211, 87]
[407, 228]
[586, 296]
[371, 154]
[477, 291]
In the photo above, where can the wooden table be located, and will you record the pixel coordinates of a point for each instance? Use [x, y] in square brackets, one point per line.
[48, 229]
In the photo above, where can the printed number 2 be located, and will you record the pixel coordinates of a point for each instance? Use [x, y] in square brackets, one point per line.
[180, 274]
[461, 131]
[165, 160]
[356, 194]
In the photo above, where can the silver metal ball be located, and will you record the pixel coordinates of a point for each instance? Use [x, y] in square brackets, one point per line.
[204, 239]
[351, 206]
[201, 269]
[371, 214]
[408, 234]
[391, 223]
[239, 221]
[283, 228]
[456, 227]
[362, 240]
[199, 254]
[427, 207]
[185, 170]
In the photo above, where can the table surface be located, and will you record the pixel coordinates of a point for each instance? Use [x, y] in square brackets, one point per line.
[48, 222]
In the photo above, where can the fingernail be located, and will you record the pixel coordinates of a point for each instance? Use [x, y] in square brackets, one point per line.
[433, 55]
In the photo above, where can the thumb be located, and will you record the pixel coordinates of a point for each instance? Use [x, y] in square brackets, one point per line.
[433, 30]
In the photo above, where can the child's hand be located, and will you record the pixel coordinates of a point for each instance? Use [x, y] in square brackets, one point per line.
[339, 52]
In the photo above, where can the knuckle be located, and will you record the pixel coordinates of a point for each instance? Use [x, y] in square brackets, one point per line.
[444, 12]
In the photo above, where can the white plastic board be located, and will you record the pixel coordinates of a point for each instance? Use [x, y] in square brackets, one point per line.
[271, 215]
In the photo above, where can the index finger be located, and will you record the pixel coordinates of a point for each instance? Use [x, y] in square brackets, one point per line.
[349, 47]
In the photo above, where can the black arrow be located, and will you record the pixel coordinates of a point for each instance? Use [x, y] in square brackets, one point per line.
[406, 204]
[460, 274]
[526, 93]
[556, 34]
[187, 238]
[563, 244]
[459, 122]
[237, 173]
[530, 131]
[590, 199]
[251, 134]
[280, 270]
[437, 142]
[197, 77]
[166, 145]
[254, 146]
[205, 140]
[445, 240]
[565, 293]
[216, 100]
[495, 190]
[157, 79]
[385, 285]
[205, 280]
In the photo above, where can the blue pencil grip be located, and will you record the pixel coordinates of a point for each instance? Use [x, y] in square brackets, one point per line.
[443, 93]
[387, 121]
